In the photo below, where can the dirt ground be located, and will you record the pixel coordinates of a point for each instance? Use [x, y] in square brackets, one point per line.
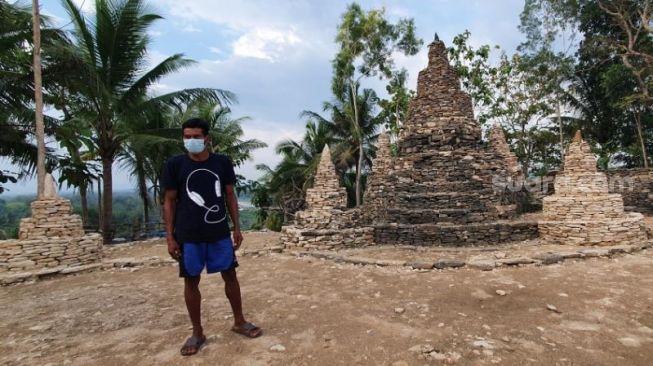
[314, 312]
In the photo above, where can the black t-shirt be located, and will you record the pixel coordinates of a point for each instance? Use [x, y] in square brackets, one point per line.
[201, 214]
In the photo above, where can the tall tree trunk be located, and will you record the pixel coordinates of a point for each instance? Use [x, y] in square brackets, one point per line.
[361, 155]
[107, 200]
[142, 191]
[83, 191]
[99, 203]
[562, 143]
[640, 135]
[38, 99]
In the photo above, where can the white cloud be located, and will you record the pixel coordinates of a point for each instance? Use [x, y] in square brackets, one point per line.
[266, 43]
[152, 33]
[191, 29]
[260, 130]
[216, 50]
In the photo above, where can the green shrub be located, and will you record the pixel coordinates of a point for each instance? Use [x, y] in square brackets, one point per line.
[274, 221]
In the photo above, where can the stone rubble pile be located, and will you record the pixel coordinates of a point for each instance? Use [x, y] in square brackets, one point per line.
[582, 211]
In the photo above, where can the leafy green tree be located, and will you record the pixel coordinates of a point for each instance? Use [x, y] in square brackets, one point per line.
[612, 73]
[110, 52]
[513, 92]
[634, 46]
[395, 110]
[366, 41]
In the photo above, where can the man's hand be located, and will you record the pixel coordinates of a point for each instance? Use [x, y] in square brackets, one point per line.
[238, 239]
[173, 249]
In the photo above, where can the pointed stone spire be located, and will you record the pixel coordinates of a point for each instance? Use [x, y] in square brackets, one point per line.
[326, 192]
[383, 153]
[578, 137]
[375, 198]
[579, 157]
[439, 85]
[500, 145]
[440, 116]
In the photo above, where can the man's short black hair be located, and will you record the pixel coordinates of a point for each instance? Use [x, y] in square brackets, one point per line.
[196, 123]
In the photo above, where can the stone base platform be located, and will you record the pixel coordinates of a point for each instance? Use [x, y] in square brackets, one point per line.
[474, 234]
[42, 253]
[623, 230]
[529, 253]
[326, 239]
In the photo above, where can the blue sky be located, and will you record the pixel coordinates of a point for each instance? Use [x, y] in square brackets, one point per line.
[276, 55]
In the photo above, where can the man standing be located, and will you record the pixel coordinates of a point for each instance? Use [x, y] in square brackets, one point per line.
[199, 186]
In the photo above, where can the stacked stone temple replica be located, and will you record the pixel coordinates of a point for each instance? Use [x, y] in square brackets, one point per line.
[446, 187]
[51, 240]
[582, 212]
[325, 224]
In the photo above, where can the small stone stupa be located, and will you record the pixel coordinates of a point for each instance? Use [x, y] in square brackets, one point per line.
[441, 190]
[325, 224]
[52, 216]
[51, 241]
[582, 212]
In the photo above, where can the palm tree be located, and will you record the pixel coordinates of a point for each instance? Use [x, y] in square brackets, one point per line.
[226, 132]
[38, 98]
[156, 138]
[294, 174]
[15, 89]
[111, 51]
[351, 137]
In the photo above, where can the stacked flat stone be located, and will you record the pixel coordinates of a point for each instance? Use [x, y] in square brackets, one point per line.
[440, 190]
[326, 192]
[51, 218]
[497, 140]
[582, 211]
[635, 186]
[50, 240]
[325, 224]
[378, 193]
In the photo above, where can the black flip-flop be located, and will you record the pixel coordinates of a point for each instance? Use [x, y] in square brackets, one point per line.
[192, 342]
[248, 329]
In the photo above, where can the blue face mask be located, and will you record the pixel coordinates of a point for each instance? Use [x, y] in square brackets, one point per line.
[194, 146]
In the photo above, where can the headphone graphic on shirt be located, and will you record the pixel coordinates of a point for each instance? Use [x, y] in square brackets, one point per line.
[197, 198]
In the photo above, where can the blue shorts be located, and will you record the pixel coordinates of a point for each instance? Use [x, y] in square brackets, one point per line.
[216, 257]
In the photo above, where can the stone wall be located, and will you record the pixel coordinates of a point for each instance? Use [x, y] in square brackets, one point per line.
[635, 186]
[42, 253]
[473, 234]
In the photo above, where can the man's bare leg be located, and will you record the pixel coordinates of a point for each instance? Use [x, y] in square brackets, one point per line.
[193, 299]
[232, 290]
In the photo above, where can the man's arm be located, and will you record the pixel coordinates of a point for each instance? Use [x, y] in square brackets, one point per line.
[169, 207]
[232, 204]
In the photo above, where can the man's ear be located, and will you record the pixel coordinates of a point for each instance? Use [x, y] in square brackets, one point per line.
[208, 142]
